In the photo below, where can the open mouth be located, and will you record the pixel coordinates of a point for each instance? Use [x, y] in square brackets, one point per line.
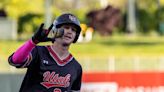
[67, 37]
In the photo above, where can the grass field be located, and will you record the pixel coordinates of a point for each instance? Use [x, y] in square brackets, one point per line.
[95, 54]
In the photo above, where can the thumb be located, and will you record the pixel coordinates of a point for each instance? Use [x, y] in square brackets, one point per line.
[50, 27]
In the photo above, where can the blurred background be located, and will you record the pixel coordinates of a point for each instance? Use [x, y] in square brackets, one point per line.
[120, 47]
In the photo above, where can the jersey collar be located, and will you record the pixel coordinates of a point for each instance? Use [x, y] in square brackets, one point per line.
[57, 59]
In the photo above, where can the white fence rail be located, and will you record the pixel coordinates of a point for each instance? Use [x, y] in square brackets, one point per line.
[116, 64]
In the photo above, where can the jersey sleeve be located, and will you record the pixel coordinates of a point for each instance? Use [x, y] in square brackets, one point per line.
[77, 83]
[31, 58]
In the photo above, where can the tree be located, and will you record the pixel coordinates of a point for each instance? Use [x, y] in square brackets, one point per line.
[18, 8]
[147, 15]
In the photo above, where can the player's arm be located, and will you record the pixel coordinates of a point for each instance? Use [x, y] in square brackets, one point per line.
[23, 56]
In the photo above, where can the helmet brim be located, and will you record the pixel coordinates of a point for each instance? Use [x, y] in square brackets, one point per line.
[77, 27]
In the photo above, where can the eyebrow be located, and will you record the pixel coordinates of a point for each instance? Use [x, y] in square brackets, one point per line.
[72, 26]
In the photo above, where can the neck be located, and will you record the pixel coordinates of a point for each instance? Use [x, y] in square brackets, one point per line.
[61, 50]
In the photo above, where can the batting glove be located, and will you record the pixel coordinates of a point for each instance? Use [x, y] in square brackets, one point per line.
[41, 34]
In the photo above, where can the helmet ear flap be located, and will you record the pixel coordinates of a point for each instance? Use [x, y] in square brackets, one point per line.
[76, 37]
[57, 32]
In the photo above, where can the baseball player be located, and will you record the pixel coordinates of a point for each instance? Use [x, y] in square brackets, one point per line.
[50, 68]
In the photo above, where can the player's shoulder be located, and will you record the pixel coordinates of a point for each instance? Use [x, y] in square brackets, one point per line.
[77, 66]
[40, 48]
[76, 63]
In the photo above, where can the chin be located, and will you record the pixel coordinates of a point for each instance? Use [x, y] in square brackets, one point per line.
[66, 43]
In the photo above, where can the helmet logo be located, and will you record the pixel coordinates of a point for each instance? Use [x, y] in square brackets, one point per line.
[72, 18]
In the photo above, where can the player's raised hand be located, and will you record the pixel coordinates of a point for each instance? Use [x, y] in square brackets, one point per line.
[41, 35]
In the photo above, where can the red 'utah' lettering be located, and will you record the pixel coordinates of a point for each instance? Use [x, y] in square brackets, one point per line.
[54, 80]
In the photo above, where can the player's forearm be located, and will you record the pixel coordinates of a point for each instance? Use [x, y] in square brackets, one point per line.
[22, 53]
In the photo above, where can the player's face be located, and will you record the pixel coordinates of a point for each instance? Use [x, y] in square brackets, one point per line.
[69, 34]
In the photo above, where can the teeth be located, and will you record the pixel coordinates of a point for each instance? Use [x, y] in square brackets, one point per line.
[68, 36]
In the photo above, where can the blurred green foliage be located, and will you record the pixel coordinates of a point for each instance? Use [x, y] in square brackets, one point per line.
[30, 14]
[17, 8]
[147, 22]
[29, 23]
[150, 16]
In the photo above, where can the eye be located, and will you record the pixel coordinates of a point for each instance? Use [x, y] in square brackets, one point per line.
[74, 29]
[66, 27]
[70, 27]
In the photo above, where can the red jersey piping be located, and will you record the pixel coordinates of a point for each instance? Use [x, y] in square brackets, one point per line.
[57, 59]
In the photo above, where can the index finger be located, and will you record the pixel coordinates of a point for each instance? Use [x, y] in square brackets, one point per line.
[50, 27]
